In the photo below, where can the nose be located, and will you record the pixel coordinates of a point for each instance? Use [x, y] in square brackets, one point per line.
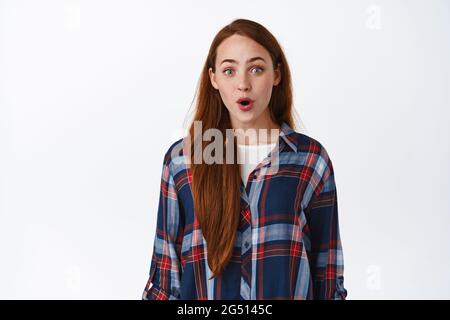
[244, 84]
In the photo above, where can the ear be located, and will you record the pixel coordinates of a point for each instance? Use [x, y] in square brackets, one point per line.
[277, 77]
[212, 77]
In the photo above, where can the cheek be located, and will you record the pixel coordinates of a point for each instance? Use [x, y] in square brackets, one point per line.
[226, 96]
[226, 93]
[265, 90]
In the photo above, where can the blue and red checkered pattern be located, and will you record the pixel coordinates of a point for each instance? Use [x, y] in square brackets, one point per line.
[288, 243]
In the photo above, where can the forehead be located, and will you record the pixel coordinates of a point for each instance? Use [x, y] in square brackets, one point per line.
[240, 48]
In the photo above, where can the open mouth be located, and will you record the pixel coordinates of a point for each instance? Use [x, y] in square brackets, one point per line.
[245, 101]
[245, 104]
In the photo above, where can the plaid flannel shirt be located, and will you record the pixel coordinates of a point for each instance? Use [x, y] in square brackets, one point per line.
[288, 243]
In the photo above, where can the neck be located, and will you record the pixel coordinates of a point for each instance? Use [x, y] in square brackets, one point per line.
[260, 131]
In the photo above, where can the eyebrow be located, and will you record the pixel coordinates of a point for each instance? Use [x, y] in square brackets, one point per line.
[248, 61]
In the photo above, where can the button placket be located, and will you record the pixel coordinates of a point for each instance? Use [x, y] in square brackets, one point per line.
[246, 240]
[246, 263]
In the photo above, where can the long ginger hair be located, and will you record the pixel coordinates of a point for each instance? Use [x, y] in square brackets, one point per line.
[216, 186]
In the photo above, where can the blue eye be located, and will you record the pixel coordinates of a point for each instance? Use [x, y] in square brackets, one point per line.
[228, 69]
[225, 71]
[259, 68]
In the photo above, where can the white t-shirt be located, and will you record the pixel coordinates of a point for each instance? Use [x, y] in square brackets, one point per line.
[249, 156]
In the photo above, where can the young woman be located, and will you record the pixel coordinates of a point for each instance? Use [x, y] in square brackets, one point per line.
[232, 230]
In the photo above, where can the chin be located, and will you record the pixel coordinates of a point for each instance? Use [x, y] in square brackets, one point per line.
[247, 117]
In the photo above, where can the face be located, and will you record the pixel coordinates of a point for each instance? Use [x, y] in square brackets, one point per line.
[244, 68]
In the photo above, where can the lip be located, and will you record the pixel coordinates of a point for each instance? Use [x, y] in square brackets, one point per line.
[247, 107]
[244, 98]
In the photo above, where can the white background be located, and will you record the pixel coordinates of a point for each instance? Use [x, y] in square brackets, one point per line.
[94, 92]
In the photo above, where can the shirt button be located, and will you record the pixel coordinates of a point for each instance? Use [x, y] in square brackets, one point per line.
[246, 244]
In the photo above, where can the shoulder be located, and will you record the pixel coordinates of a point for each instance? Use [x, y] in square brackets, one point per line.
[315, 157]
[306, 143]
[316, 154]
[173, 156]
[173, 150]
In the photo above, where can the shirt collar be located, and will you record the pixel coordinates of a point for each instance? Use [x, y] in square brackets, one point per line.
[287, 137]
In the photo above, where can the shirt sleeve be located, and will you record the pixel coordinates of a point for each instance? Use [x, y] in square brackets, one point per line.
[165, 270]
[326, 255]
